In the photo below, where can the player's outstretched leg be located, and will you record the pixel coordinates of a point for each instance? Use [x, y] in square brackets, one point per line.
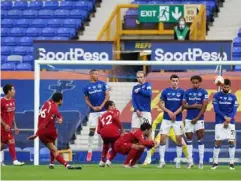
[216, 151]
[12, 151]
[231, 154]
[90, 144]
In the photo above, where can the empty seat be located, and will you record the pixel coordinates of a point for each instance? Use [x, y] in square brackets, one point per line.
[78, 14]
[72, 23]
[17, 32]
[39, 23]
[5, 31]
[23, 23]
[4, 13]
[5, 50]
[26, 41]
[86, 5]
[239, 32]
[55, 23]
[51, 4]
[14, 13]
[37, 4]
[8, 23]
[66, 32]
[22, 4]
[8, 66]
[33, 32]
[3, 59]
[30, 13]
[5, 5]
[236, 51]
[60, 38]
[66, 4]
[24, 66]
[237, 42]
[28, 58]
[22, 50]
[49, 32]
[11, 41]
[43, 38]
[61, 13]
[45, 13]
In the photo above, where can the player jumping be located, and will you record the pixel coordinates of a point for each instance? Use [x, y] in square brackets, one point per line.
[171, 104]
[47, 132]
[96, 94]
[110, 128]
[133, 144]
[225, 106]
[7, 120]
[195, 101]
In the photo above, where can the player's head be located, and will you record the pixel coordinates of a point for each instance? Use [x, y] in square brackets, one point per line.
[9, 90]
[146, 128]
[174, 81]
[196, 81]
[109, 105]
[94, 75]
[226, 86]
[57, 97]
[140, 75]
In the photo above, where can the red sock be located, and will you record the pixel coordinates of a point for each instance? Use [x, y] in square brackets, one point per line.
[112, 152]
[104, 152]
[137, 156]
[130, 156]
[52, 158]
[60, 159]
[12, 151]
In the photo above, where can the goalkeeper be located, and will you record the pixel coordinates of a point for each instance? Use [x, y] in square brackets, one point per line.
[158, 137]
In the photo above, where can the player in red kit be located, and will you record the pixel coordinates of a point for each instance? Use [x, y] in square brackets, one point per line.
[47, 132]
[7, 120]
[133, 144]
[110, 128]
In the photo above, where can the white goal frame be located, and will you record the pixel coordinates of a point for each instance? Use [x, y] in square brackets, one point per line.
[110, 62]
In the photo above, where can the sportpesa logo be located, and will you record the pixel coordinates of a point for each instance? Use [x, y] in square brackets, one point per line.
[192, 54]
[72, 54]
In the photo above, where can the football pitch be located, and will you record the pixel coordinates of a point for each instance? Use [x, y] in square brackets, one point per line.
[117, 172]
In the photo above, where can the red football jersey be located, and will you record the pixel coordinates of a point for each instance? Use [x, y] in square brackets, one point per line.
[109, 124]
[48, 113]
[7, 111]
[136, 136]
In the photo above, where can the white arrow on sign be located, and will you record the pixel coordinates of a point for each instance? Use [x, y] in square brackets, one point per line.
[176, 14]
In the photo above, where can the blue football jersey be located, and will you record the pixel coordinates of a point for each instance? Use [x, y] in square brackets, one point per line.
[173, 100]
[195, 96]
[224, 105]
[142, 100]
[95, 91]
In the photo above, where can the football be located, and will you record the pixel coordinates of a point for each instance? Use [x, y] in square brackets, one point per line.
[219, 80]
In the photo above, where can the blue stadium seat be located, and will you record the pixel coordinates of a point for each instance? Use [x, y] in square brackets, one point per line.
[8, 23]
[5, 50]
[132, 12]
[4, 13]
[5, 5]
[72, 23]
[28, 58]
[237, 42]
[24, 67]
[55, 23]
[45, 13]
[39, 23]
[51, 4]
[237, 68]
[78, 14]
[85, 5]
[239, 33]
[17, 32]
[30, 13]
[8, 66]
[37, 4]
[11, 41]
[33, 32]
[236, 51]
[43, 38]
[61, 13]
[22, 4]
[14, 13]
[66, 32]
[26, 41]
[49, 32]
[22, 50]
[30, 149]
[66, 5]
[4, 59]
[23, 23]
[44, 151]
[5, 31]
[60, 38]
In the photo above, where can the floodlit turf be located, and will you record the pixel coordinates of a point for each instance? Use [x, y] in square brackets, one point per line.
[117, 172]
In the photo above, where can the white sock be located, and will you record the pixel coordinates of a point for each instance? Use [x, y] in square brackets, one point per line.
[148, 156]
[90, 143]
[189, 150]
[162, 150]
[1, 156]
[231, 150]
[216, 151]
[179, 153]
[201, 150]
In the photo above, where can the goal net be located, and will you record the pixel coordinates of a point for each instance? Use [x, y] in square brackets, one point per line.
[70, 77]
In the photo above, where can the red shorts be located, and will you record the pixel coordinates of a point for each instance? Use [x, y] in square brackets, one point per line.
[123, 148]
[109, 140]
[5, 136]
[47, 136]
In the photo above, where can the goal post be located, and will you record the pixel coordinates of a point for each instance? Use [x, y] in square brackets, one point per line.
[37, 77]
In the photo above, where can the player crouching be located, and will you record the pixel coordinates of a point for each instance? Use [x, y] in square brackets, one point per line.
[47, 132]
[133, 144]
[109, 127]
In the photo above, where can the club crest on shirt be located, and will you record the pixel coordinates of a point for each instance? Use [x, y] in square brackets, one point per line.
[178, 94]
[230, 98]
[169, 94]
[93, 87]
[200, 94]
[173, 94]
[225, 98]
[99, 86]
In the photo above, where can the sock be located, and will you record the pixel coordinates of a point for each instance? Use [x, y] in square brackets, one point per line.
[216, 153]
[104, 152]
[60, 159]
[189, 149]
[162, 150]
[51, 158]
[137, 156]
[90, 143]
[201, 150]
[12, 151]
[179, 152]
[112, 152]
[130, 156]
[1, 156]
[231, 150]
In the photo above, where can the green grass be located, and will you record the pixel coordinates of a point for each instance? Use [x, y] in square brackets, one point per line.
[117, 172]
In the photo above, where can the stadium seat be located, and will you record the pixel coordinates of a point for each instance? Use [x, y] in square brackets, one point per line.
[237, 68]
[51, 4]
[4, 59]
[45, 13]
[60, 38]
[72, 23]
[78, 14]
[8, 66]
[55, 23]
[66, 32]
[17, 32]
[22, 4]
[5, 5]
[36, 4]
[8, 23]
[11, 41]
[30, 149]
[26, 41]
[61, 13]
[44, 151]
[24, 67]
[85, 5]
[22, 50]
[23, 23]
[239, 33]
[237, 42]
[236, 51]
[43, 38]
[4, 13]
[49, 32]
[30, 13]
[5, 31]
[66, 5]
[39, 23]
[33, 32]
[28, 58]
[6, 50]
[14, 13]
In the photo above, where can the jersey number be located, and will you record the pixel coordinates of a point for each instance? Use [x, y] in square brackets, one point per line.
[108, 118]
[43, 113]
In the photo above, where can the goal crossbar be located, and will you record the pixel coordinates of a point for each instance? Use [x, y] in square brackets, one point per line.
[110, 62]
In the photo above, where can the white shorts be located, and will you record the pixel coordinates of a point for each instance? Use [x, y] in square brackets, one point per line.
[136, 121]
[192, 128]
[93, 118]
[222, 133]
[167, 124]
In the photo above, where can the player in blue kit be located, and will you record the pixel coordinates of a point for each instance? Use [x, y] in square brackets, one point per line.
[171, 104]
[141, 101]
[195, 101]
[225, 106]
[96, 94]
